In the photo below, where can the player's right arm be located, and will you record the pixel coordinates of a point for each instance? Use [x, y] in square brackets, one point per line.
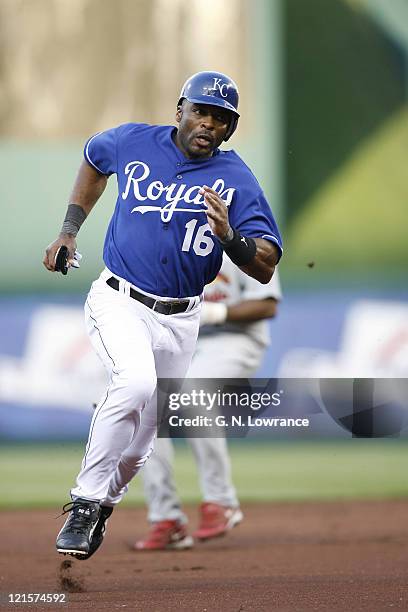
[88, 188]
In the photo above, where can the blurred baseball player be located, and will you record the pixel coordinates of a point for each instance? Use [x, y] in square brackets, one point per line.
[182, 203]
[231, 344]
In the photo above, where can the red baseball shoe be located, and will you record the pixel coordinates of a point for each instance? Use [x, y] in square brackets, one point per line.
[166, 535]
[216, 520]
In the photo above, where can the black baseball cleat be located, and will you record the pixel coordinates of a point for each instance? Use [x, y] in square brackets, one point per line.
[75, 538]
[98, 533]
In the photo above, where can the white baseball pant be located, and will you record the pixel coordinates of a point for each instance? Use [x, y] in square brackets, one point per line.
[137, 345]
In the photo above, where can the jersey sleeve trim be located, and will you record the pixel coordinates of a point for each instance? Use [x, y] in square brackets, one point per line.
[88, 159]
[274, 239]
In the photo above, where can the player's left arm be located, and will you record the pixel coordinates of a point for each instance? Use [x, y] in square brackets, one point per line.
[262, 265]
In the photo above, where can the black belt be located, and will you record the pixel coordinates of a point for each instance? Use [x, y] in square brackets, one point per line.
[166, 308]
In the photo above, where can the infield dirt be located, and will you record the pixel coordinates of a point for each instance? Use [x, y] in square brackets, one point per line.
[284, 556]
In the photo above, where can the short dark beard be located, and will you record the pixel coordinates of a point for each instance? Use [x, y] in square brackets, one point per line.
[187, 152]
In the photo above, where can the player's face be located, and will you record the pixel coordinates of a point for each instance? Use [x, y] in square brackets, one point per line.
[202, 128]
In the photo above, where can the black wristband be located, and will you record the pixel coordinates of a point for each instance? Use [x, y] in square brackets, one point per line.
[73, 219]
[240, 249]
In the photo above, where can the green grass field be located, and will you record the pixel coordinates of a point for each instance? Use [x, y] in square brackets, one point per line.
[40, 476]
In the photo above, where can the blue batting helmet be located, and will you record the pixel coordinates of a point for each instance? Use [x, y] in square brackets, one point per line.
[213, 88]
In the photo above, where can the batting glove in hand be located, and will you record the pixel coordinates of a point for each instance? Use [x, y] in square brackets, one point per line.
[61, 260]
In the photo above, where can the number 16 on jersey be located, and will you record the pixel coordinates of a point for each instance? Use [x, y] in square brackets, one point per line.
[202, 243]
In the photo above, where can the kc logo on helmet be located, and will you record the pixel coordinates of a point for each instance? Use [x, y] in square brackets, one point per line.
[218, 84]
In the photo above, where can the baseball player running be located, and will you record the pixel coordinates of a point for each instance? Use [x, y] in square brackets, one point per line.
[182, 202]
[231, 344]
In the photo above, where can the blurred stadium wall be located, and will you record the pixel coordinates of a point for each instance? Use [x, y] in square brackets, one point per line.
[346, 134]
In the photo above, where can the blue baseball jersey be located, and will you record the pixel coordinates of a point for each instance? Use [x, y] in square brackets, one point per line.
[158, 238]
